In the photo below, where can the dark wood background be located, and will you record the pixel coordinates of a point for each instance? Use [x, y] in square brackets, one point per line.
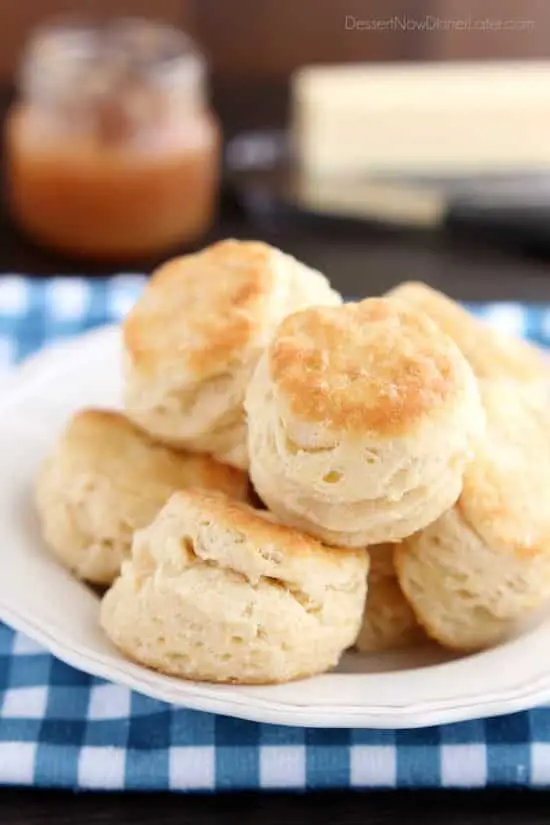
[269, 38]
[496, 807]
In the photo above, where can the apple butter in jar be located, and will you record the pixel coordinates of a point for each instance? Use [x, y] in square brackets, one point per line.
[112, 150]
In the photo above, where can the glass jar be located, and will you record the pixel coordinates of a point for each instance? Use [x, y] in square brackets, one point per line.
[112, 151]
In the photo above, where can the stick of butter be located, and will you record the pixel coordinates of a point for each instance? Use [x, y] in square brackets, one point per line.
[426, 118]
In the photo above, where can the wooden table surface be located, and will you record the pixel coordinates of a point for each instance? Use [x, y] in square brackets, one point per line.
[26, 807]
[359, 264]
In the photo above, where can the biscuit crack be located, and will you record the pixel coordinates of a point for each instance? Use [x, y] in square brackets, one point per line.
[302, 598]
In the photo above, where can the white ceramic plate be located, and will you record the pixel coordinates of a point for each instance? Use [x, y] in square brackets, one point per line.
[424, 686]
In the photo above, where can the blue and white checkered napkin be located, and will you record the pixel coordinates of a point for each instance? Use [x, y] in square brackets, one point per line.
[62, 728]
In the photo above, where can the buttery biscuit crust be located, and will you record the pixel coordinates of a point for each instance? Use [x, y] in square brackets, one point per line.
[491, 354]
[201, 310]
[223, 593]
[485, 564]
[368, 367]
[104, 479]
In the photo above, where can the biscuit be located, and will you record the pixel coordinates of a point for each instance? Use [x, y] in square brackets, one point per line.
[483, 566]
[491, 354]
[361, 419]
[192, 340]
[220, 592]
[104, 480]
[389, 622]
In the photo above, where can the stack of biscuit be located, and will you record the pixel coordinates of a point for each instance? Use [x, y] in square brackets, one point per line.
[293, 476]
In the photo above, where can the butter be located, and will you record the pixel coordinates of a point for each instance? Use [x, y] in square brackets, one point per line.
[422, 118]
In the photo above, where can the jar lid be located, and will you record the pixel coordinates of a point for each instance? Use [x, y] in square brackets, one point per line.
[128, 65]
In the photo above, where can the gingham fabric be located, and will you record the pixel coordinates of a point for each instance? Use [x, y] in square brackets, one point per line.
[62, 728]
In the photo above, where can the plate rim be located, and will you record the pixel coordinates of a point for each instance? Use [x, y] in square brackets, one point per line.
[279, 713]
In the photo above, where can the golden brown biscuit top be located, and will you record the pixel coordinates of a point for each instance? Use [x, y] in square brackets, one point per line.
[202, 310]
[105, 441]
[374, 366]
[506, 488]
[491, 354]
[253, 542]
